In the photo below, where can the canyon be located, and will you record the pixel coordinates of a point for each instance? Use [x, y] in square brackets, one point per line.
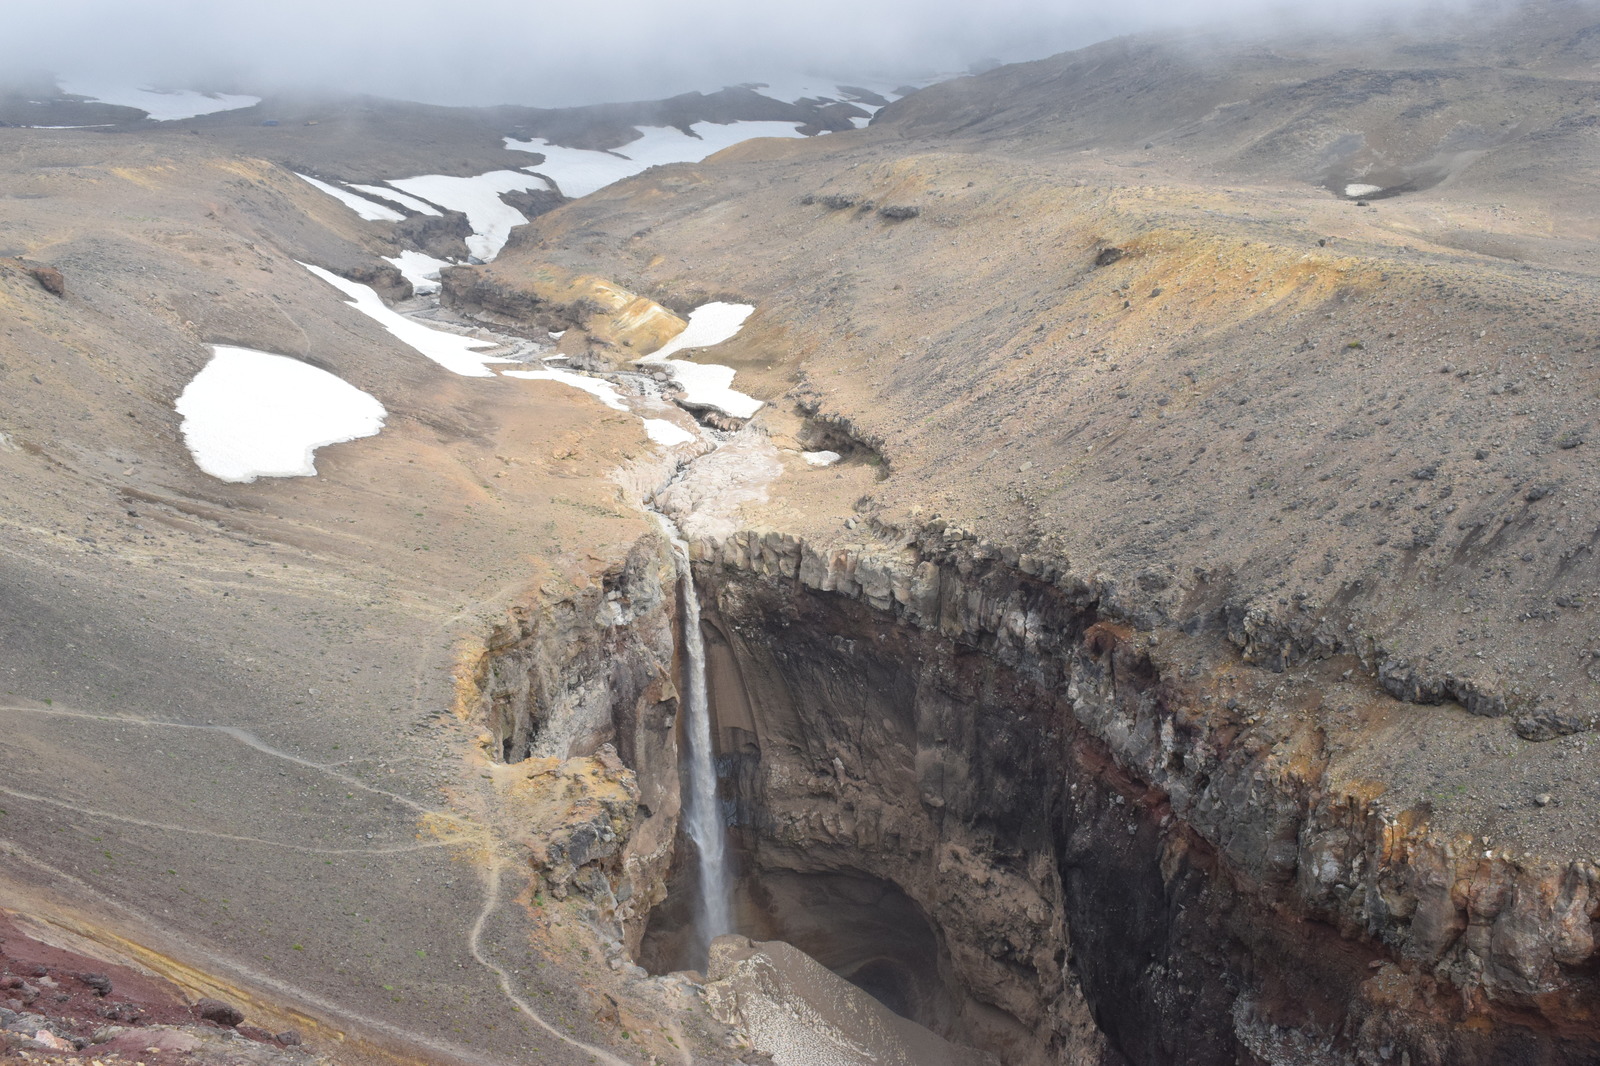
[1184, 657]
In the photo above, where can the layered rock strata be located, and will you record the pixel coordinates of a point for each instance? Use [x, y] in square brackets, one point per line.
[1102, 821]
[609, 316]
[579, 699]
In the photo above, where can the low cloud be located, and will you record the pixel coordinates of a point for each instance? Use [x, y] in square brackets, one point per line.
[500, 51]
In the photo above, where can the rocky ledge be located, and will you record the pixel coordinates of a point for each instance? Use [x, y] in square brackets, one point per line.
[1128, 842]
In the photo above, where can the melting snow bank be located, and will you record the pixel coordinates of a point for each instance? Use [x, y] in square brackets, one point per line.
[411, 202]
[450, 350]
[666, 433]
[372, 212]
[708, 324]
[251, 414]
[821, 458]
[603, 390]
[792, 88]
[456, 353]
[663, 432]
[161, 106]
[1361, 190]
[580, 172]
[707, 384]
[420, 269]
[490, 217]
[706, 497]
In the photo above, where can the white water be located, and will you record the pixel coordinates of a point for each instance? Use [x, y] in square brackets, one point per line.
[703, 811]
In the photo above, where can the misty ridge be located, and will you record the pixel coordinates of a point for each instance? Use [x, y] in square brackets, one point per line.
[501, 52]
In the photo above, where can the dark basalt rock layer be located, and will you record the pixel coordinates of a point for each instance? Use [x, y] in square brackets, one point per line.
[1090, 838]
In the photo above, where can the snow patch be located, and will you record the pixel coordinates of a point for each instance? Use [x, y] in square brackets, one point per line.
[419, 206]
[821, 458]
[159, 105]
[251, 414]
[709, 324]
[1361, 190]
[666, 433]
[707, 384]
[362, 206]
[420, 269]
[450, 350]
[490, 217]
[792, 88]
[604, 391]
[580, 172]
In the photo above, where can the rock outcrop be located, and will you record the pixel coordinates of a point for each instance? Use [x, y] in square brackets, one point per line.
[1102, 820]
[579, 814]
[581, 711]
[49, 278]
[610, 316]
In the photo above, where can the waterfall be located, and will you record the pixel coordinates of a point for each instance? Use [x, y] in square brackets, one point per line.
[704, 821]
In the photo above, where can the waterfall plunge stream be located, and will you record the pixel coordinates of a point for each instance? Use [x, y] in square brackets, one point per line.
[704, 822]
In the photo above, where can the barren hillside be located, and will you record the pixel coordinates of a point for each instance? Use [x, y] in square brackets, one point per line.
[1189, 658]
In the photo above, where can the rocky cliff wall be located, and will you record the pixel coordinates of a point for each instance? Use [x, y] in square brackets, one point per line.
[610, 317]
[584, 689]
[1121, 830]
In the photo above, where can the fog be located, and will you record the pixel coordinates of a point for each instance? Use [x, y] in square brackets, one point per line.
[535, 52]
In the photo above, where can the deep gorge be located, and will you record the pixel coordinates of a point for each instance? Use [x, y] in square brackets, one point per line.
[1136, 510]
[1040, 831]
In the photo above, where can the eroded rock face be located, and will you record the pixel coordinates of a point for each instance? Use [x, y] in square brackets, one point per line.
[582, 693]
[618, 324]
[563, 680]
[859, 753]
[49, 279]
[579, 814]
[443, 236]
[1112, 836]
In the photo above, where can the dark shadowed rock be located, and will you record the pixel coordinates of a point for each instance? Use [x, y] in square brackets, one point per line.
[1548, 725]
[533, 202]
[97, 981]
[215, 1010]
[441, 236]
[863, 95]
[49, 279]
